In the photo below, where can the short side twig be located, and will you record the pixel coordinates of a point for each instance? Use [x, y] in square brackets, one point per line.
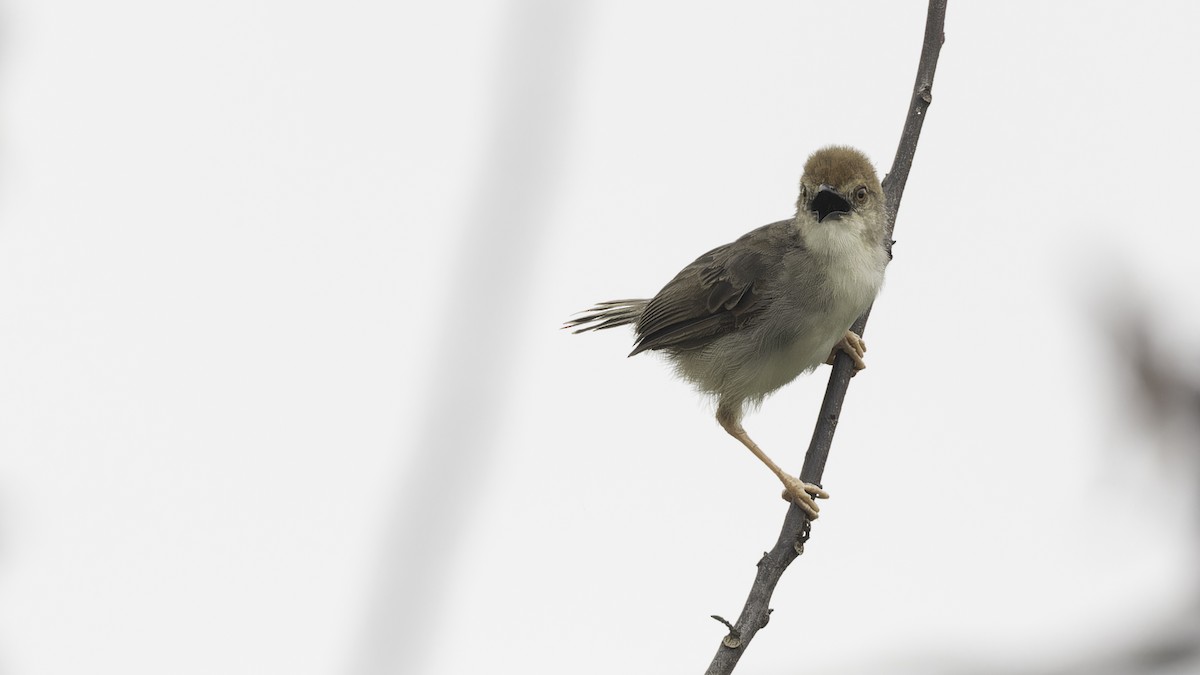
[794, 533]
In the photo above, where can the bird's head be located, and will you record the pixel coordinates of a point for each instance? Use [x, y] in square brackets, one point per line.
[839, 188]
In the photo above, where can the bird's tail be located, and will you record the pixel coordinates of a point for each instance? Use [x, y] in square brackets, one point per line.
[607, 315]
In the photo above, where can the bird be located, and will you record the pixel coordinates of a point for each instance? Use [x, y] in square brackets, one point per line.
[749, 317]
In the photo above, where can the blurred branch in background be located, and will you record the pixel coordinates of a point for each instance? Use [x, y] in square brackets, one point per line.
[756, 612]
[1163, 399]
[1160, 397]
[1163, 391]
[493, 264]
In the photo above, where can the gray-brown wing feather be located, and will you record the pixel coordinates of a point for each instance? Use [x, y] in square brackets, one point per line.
[722, 291]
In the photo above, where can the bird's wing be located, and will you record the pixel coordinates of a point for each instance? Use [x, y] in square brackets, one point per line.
[720, 292]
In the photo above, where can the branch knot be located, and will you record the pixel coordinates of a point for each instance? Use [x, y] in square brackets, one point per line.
[734, 639]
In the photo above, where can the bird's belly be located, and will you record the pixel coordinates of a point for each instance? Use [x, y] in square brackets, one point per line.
[775, 368]
[784, 351]
[795, 337]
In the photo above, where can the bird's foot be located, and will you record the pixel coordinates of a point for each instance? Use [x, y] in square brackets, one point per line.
[804, 495]
[853, 345]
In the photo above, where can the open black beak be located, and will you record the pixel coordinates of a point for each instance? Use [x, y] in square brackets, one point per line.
[828, 202]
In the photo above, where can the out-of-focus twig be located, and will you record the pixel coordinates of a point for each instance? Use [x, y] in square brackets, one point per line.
[1165, 399]
[1162, 391]
[505, 214]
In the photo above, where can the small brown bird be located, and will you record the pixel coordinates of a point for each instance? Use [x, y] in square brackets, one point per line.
[748, 317]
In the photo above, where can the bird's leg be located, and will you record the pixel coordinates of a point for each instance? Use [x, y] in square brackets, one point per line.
[800, 493]
[853, 345]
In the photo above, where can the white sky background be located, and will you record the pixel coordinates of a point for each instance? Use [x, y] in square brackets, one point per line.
[229, 233]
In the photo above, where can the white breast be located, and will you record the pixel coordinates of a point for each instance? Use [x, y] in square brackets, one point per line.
[855, 265]
[855, 274]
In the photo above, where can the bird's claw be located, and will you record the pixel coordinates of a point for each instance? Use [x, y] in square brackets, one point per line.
[804, 495]
[852, 345]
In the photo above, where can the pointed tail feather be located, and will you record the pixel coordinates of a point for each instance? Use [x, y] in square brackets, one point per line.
[607, 315]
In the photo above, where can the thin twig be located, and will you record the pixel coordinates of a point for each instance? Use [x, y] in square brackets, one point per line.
[790, 544]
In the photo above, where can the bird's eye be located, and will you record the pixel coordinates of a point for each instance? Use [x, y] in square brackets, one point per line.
[860, 195]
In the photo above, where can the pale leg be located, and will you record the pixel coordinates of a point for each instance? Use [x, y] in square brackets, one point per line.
[801, 494]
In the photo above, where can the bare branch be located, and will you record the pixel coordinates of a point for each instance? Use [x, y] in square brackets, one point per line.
[794, 533]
